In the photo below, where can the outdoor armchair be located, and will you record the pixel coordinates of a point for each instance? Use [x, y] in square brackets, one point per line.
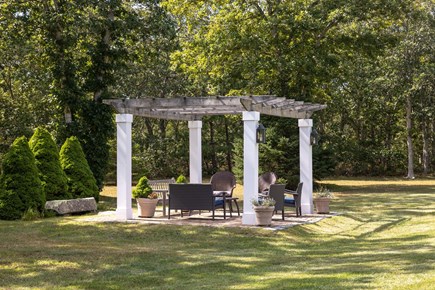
[276, 192]
[265, 180]
[223, 183]
[295, 201]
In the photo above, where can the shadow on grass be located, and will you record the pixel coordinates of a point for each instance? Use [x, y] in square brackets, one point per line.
[62, 254]
[381, 234]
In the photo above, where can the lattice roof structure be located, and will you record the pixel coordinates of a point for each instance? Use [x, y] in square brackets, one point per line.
[194, 108]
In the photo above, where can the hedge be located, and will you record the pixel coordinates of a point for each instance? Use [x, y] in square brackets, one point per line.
[21, 187]
[47, 161]
[81, 181]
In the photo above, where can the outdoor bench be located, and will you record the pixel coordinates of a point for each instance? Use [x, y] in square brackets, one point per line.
[194, 196]
[161, 187]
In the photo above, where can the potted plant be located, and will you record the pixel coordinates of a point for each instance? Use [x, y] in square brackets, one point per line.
[181, 179]
[263, 208]
[145, 197]
[322, 197]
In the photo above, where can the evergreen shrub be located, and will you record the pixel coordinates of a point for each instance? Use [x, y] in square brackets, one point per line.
[21, 187]
[11, 206]
[47, 161]
[143, 189]
[81, 181]
[181, 179]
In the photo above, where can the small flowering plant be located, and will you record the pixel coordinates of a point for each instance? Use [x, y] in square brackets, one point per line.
[263, 201]
[323, 192]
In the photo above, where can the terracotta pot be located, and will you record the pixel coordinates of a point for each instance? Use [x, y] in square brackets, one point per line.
[322, 204]
[146, 207]
[263, 215]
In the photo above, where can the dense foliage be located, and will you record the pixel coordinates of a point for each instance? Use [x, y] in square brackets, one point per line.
[47, 161]
[346, 54]
[21, 187]
[81, 182]
[371, 62]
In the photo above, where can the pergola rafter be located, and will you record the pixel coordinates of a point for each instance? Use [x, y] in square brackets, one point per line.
[194, 108]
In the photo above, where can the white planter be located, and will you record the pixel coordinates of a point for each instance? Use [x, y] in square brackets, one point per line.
[322, 204]
[146, 207]
[263, 215]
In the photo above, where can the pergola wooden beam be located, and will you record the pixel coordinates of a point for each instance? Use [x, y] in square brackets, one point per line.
[186, 108]
[282, 107]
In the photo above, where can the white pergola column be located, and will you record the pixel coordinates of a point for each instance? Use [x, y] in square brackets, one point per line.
[250, 165]
[123, 166]
[306, 165]
[195, 151]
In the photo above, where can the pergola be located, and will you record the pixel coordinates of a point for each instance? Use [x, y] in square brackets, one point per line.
[192, 110]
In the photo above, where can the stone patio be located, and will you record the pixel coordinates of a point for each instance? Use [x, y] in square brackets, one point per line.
[205, 219]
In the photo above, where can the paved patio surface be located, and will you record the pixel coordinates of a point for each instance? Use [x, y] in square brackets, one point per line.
[205, 219]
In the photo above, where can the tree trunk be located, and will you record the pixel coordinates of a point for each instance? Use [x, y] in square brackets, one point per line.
[149, 126]
[107, 41]
[228, 147]
[425, 155]
[213, 149]
[162, 126]
[409, 138]
[432, 152]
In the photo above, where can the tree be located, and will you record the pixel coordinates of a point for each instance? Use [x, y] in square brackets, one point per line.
[410, 68]
[304, 50]
[81, 182]
[22, 188]
[25, 101]
[47, 161]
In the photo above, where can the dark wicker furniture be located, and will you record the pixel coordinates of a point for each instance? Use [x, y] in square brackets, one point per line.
[265, 180]
[224, 182]
[278, 193]
[296, 200]
[187, 197]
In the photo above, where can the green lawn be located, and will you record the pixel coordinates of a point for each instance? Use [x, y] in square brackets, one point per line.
[385, 239]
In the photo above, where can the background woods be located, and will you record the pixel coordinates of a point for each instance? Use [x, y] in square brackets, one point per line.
[372, 63]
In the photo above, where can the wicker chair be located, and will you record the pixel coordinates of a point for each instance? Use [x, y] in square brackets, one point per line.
[224, 182]
[296, 200]
[278, 193]
[265, 180]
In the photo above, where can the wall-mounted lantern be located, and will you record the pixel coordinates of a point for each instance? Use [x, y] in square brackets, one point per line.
[261, 134]
[314, 137]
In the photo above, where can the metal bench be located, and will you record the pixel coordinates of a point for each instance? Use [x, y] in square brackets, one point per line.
[161, 187]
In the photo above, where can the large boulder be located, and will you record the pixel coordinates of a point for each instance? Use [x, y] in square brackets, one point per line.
[69, 206]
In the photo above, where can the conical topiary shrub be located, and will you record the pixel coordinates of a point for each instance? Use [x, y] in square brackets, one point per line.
[53, 178]
[143, 189]
[11, 206]
[81, 181]
[181, 179]
[22, 188]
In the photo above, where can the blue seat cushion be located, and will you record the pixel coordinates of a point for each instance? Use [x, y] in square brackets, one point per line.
[218, 202]
[289, 200]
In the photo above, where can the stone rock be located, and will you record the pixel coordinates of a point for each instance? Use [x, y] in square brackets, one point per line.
[68, 206]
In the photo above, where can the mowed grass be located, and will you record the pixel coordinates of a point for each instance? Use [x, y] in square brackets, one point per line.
[384, 239]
